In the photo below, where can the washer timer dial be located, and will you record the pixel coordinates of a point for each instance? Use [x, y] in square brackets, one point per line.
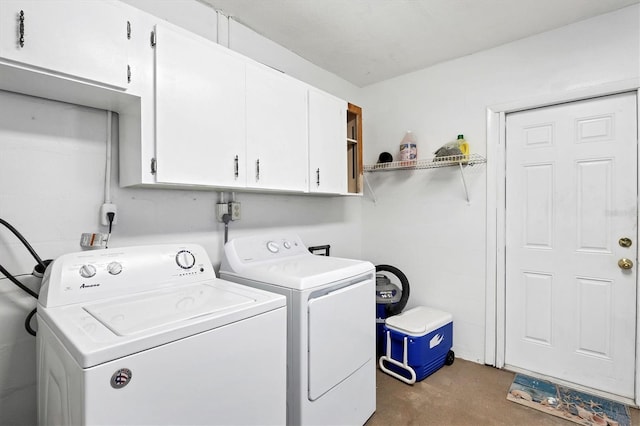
[185, 259]
[87, 271]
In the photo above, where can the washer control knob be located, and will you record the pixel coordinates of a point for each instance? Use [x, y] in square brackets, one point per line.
[287, 245]
[273, 247]
[114, 268]
[87, 271]
[185, 259]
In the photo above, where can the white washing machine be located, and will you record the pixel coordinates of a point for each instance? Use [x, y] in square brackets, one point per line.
[149, 335]
[331, 325]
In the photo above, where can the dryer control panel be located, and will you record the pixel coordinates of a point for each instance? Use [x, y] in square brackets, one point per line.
[264, 248]
[97, 274]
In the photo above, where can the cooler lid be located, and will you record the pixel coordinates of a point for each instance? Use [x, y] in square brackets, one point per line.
[419, 321]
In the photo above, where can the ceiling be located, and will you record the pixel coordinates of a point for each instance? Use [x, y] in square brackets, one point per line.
[367, 41]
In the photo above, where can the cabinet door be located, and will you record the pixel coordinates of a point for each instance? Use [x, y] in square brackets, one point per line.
[200, 111]
[86, 39]
[276, 130]
[327, 135]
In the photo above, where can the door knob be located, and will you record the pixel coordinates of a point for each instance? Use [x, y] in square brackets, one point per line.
[625, 263]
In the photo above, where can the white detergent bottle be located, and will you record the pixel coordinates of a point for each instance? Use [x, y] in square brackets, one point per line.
[408, 147]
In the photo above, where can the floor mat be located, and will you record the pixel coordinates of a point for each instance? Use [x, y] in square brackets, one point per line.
[579, 407]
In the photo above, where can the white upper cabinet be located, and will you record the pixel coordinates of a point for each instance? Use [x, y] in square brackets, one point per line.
[277, 141]
[327, 135]
[81, 39]
[192, 113]
[199, 111]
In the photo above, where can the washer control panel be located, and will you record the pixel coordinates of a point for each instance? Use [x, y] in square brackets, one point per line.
[96, 274]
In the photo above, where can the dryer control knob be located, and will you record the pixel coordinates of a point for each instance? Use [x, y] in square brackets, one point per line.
[114, 268]
[87, 271]
[287, 245]
[185, 259]
[273, 247]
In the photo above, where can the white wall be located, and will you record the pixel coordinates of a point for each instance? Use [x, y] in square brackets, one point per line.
[421, 222]
[52, 170]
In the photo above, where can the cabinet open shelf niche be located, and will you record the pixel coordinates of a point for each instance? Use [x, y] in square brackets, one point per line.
[354, 149]
[433, 163]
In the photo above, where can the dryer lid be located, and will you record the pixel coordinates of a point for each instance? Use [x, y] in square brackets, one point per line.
[284, 261]
[302, 272]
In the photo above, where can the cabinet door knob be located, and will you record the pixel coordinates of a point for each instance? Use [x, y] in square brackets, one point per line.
[21, 18]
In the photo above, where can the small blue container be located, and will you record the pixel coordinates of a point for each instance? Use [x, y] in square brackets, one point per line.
[417, 343]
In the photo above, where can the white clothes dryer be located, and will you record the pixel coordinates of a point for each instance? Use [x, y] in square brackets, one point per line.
[331, 342]
[149, 335]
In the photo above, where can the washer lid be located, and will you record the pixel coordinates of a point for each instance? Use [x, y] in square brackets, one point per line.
[145, 312]
[419, 321]
[95, 333]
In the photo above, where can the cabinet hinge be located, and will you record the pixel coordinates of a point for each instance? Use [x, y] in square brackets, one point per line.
[128, 30]
[153, 38]
[128, 73]
[154, 166]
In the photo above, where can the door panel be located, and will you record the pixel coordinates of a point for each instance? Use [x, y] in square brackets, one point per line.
[86, 39]
[571, 194]
[200, 111]
[341, 335]
[327, 136]
[277, 137]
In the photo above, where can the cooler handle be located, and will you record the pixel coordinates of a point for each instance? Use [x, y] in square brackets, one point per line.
[404, 364]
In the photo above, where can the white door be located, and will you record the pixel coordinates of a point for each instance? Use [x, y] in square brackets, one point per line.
[200, 111]
[327, 136]
[277, 140]
[86, 39]
[571, 200]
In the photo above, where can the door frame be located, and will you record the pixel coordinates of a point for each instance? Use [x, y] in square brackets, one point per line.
[495, 302]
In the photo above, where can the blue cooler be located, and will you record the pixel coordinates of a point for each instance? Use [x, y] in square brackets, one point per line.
[417, 343]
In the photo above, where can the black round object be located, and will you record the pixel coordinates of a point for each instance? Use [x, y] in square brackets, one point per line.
[395, 308]
[451, 356]
[385, 157]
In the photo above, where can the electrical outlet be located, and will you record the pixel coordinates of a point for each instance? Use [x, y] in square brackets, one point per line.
[93, 240]
[234, 207]
[221, 210]
[108, 208]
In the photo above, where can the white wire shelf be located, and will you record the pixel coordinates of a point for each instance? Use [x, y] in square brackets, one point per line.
[434, 163]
